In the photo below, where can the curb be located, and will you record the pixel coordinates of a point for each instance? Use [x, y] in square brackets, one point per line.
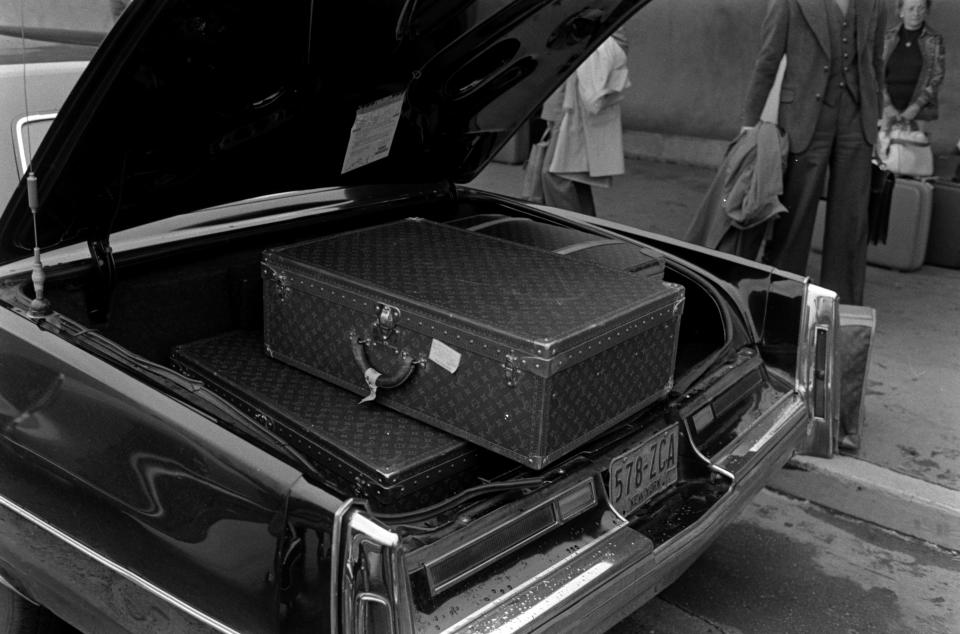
[874, 494]
[673, 148]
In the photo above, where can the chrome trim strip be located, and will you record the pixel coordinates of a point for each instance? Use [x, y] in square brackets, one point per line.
[559, 595]
[484, 612]
[21, 146]
[699, 454]
[494, 223]
[120, 570]
[821, 315]
[336, 537]
[631, 580]
[374, 532]
[587, 244]
[552, 502]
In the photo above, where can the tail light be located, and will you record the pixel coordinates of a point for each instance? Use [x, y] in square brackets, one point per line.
[372, 591]
[817, 372]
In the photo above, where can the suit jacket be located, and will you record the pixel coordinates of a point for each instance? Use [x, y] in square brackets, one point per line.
[799, 29]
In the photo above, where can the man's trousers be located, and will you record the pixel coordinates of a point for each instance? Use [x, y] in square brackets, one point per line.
[838, 145]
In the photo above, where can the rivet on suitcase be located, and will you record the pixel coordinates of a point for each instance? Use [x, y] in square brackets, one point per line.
[525, 352]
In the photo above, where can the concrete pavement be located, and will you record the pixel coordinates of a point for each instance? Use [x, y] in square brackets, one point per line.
[906, 476]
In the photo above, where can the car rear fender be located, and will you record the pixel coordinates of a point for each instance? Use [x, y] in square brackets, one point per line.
[134, 505]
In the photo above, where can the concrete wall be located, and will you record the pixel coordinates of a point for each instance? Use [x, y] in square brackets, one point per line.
[84, 15]
[690, 61]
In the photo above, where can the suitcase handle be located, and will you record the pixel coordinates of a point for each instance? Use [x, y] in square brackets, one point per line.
[387, 381]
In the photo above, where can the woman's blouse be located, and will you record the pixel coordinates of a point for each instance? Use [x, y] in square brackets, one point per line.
[903, 68]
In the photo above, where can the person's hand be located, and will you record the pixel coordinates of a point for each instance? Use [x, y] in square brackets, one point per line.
[890, 114]
[910, 113]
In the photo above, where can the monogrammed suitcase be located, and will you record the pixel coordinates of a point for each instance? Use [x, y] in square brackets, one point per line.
[520, 350]
[391, 460]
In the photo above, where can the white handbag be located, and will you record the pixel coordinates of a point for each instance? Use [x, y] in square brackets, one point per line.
[905, 151]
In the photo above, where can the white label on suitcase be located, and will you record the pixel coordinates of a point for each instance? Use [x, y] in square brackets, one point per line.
[444, 356]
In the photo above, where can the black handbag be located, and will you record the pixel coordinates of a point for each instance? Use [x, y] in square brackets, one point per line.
[878, 211]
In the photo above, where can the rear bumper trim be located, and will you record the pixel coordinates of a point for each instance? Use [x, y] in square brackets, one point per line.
[622, 570]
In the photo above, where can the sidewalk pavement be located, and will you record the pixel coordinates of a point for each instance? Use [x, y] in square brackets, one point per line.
[906, 476]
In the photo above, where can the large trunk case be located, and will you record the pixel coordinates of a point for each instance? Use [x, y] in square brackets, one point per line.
[907, 232]
[943, 247]
[391, 460]
[517, 349]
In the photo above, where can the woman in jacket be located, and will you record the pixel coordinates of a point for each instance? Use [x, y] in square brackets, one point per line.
[913, 56]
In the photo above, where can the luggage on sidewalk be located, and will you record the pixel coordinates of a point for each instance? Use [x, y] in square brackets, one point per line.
[386, 458]
[522, 351]
[857, 326]
[943, 247]
[908, 230]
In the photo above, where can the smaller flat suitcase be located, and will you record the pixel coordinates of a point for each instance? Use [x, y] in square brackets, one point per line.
[617, 254]
[909, 228]
[943, 247]
[391, 460]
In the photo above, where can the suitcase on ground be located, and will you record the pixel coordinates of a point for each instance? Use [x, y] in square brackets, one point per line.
[857, 327]
[943, 247]
[391, 460]
[617, 254]
[522, 351]
[909, 228]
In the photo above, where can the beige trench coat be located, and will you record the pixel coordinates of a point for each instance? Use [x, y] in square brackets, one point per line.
[590, 136]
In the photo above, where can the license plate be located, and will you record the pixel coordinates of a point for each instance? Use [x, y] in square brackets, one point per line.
[643, 471]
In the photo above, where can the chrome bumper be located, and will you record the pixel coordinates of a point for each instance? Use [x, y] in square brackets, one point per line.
[614, 575]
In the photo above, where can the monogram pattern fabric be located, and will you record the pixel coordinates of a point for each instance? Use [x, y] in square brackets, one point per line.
[531, 422]
[530, 292]
[363, 450]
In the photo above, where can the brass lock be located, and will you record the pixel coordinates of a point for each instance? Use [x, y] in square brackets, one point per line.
[387, 319]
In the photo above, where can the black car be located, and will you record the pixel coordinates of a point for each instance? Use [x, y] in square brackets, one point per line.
[160, 472]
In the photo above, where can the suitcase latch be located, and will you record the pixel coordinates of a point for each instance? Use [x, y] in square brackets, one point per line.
[512, 369]
[281, 285]
[387, 319]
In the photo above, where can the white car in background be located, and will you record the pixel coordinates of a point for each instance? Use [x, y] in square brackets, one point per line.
[35, 78]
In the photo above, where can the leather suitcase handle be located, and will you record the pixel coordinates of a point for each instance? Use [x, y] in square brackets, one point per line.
[387, 381]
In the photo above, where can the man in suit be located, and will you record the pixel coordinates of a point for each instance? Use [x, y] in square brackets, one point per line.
[829, 107]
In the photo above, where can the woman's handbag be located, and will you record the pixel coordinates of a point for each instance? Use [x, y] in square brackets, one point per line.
[882, 181]
[532, 189]
[906, 151]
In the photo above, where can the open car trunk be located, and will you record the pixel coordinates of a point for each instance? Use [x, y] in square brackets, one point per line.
[190, 322]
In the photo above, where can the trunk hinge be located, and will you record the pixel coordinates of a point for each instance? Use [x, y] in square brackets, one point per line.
[104, 275]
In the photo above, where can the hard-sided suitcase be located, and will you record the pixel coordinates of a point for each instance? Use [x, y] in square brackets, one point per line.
[943, 247]
[909, 228]
[520, 350]
[394, 462]
[611, 252]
